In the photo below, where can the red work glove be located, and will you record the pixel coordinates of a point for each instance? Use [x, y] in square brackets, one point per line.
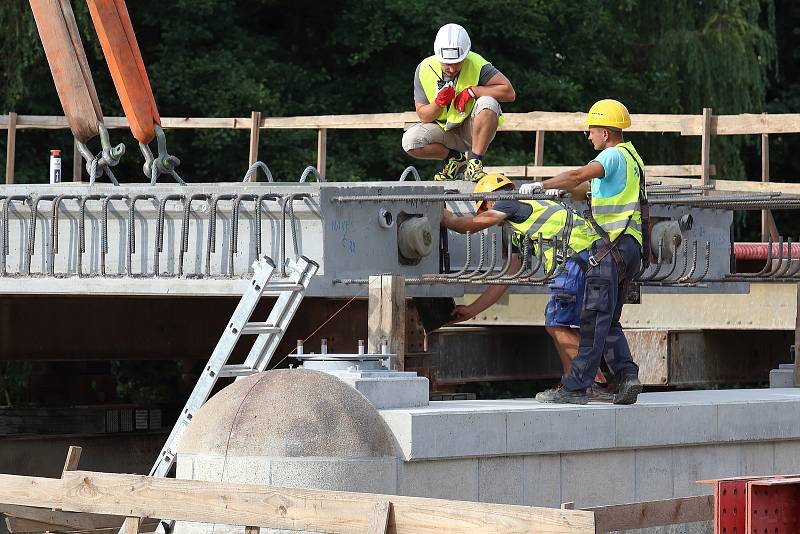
[445, 95]
[463, 98]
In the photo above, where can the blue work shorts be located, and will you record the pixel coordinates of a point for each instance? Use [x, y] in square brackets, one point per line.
[566, 295]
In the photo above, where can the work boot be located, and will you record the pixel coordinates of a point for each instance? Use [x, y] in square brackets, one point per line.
[600, 392]
[452, 169]
[562, 395]
[474, 170]
[628, 391]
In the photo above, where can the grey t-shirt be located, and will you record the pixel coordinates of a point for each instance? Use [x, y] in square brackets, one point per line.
[487, 71]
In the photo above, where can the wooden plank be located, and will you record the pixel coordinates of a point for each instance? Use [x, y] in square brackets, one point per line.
[758, 124]
[538, 149]
[77, 163]
[766, 215]
[797, 341]
[745, 186]
[531, 122]
[322, 150]
[289, 508]
[11, 147]
[65, 520]
[16, 525]
[21, 525]
[705, 146]
[130, 526]
[255, 119]
[379, 517]
[72, 460]
[552, 170]
[653, 513]
[386, 317]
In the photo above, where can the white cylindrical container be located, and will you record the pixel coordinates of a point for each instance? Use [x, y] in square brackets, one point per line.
[55, 166]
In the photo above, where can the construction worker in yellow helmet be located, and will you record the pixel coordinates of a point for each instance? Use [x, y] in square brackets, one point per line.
[457, 96]
[556, 224]
[619, 215]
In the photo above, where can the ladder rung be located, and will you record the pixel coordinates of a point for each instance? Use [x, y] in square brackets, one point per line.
[284, 287]
[236, 369]
[260, 328]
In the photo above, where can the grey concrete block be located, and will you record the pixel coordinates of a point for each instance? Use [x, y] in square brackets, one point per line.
[369, 475]
[787, 457]
[786, 366]
[500, 480]
[440, 479]
[459, 434]
[202, 466]
[647, 426]
[756, 459]
[247, 470]
[560, 429]
[653, 474]
[598, 478]
[385, 393]
[749, 421]
[542, 484]
[781, 378]
[691, 464]
[400, 423]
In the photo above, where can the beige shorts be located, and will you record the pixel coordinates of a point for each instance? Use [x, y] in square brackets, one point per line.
[459, 138]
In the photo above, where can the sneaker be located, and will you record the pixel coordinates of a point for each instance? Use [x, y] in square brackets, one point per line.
[628, 391]
[600, 392]
[474, 170]
[562, 395]
[452, 169]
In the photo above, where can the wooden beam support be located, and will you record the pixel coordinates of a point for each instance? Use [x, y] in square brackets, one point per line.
[30, 519]
[255, 133]
[653, 513]
[386, 317]
[538, 149]
[72, 460]
[705, 146]
[322, 150]
[77, 163]
[335, 512]
[797, 342]
[130, 525]
[379, 517]
[11, 147]
[767, 221]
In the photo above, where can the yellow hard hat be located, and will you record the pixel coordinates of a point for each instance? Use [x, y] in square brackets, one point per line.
[489, 183]
[609, 113]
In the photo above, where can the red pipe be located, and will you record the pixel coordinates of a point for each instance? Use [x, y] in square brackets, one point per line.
[759, 251]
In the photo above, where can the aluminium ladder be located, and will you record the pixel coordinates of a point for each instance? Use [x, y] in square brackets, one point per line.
[290, 293]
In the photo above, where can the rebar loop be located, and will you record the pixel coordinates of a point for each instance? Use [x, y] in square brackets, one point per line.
[288, 201]
[82, 231]
[187, 209]
[211, 242]
[104, 230]
[54, 230]
[132, 229]
[234, 244]
[160, 228]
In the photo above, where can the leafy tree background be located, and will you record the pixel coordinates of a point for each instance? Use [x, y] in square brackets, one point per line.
[224, 58]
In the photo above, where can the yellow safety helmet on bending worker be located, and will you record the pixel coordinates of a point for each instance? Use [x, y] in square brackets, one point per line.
[490, 183]
[609, 113]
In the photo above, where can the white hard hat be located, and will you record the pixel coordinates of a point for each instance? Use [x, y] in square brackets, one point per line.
[452, 44]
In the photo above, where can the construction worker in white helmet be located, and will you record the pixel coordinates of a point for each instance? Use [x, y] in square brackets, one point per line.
[619, 215]
[528, 219]
[457, 95]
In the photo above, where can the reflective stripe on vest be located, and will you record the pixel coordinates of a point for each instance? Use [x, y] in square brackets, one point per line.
[430, 72]
[549, 218]
[612, 213]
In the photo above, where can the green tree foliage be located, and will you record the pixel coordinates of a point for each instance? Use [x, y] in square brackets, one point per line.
[211, 58]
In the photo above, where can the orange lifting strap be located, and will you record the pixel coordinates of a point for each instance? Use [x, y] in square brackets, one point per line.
[115, 31]
[73, 79]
